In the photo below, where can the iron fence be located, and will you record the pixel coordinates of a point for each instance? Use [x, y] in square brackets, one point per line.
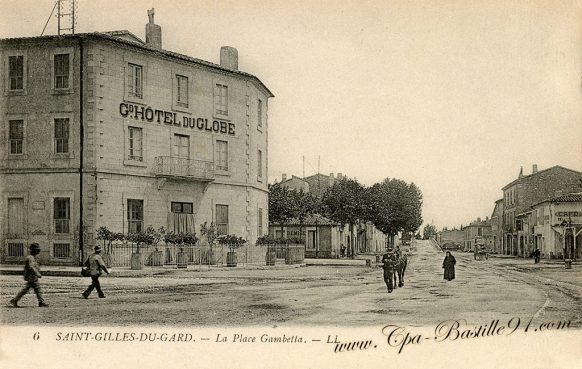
[120, 254]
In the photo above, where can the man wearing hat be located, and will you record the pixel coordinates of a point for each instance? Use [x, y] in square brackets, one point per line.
[31, 276]
[388, 264]
[95, 264]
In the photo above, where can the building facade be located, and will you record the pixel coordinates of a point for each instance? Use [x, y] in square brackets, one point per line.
[294, 183]
[497, 226]
[103, 129]
[450, 238]
[555, 227]
[525, 191]
[478, 233]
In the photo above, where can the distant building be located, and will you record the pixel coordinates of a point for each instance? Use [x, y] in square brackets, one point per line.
[527, 190]
[478, 232]
[497, 226]
[294, 183]
[451, 237]
[550, 219]
[323, 237]
[319, 183]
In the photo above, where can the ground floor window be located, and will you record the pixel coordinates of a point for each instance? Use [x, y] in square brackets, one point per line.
[62, 250]
[62, 214]
[134, 215]
[15, 249]
[181, 217]
[222, 219]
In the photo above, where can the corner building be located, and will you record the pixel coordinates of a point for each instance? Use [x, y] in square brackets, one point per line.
[103, 129]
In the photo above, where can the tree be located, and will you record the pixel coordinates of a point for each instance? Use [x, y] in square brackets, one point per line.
[281, 207]
[346, 203]
[395, 206]
[429, 232]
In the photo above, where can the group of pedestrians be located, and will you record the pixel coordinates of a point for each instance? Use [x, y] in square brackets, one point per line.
[94, 264]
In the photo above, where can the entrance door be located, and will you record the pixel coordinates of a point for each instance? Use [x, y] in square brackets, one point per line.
[311, 239]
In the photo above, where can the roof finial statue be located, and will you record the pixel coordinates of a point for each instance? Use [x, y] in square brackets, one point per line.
[151, 13]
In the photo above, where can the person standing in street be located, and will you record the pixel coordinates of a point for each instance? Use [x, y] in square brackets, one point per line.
[31, 276]
[95, 264]
[388, 264]
[449, 266]
[537, 255]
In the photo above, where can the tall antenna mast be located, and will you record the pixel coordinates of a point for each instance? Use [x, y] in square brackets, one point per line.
[66, 10]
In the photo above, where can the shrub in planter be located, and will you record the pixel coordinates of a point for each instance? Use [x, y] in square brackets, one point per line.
[105, 235]
[233, 242]
[181, 240]
[140, 239]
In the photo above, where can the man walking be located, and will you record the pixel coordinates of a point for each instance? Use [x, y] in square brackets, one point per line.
[95, 264]
[31, 276]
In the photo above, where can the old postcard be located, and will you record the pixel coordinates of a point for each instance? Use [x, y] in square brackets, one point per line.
[291, 184]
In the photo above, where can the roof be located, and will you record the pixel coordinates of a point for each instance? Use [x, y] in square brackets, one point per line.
[292, 178]
[311, 220]
[536, 173]
[570, 197]
[116, 36]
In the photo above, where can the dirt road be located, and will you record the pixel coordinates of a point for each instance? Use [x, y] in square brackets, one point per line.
[318, 295]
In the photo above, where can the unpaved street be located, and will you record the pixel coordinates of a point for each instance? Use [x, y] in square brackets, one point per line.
[313, 295]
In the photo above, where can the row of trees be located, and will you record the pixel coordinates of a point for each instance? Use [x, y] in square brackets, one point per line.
[392, 205]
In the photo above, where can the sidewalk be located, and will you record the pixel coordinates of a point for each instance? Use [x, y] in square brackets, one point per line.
[148, 271]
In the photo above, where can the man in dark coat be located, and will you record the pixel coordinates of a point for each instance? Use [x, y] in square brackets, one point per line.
[388, 264]
[95, 264]
[31, 276]
[449, 266]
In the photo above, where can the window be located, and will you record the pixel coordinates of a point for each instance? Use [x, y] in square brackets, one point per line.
[182, 146]
[61, 135]
[182, 207]
[62, 214]
[15, 249]
[479, 231]
[16, 72]
[259, 164]
[135, 80]
[134, 216]
[260, 113]
[135, 144]
[16, 217]
[221, 155]
[182, 93]
[260, 223]
[222, 219]
[221, 99]
[61, 71]
[62, 250]
[181, 218]
[16, 136]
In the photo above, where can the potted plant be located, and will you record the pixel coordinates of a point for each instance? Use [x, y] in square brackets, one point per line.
[180, 240]
[210, 233]
[233, 242]
[140, 239]
[272, 243]
[104, 234]
[157, 256]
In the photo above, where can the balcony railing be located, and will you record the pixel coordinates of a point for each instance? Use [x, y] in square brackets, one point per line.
[167, 166]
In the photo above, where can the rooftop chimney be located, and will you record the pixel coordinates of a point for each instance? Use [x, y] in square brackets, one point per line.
[284, 177]
[520, 172]
[339, 176]
[229, 57]
[534, 169]
[153, 32]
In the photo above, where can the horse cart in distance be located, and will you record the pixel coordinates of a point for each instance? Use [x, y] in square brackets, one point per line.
[480, 251]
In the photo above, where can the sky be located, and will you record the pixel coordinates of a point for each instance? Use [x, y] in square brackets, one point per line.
[454, 96]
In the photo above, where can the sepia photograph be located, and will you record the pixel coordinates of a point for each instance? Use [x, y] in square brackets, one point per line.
[284, 184]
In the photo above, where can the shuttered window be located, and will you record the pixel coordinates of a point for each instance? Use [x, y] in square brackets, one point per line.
[62, 135]
[62, 214]
[61, 71]
[16, 72]
[16, 136]
[135, 80]
[16, 217]
[222, 219]
[221, 99]
[134, 215]
[221, 155]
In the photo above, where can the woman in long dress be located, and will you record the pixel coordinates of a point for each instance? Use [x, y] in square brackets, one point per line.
[449, 266]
